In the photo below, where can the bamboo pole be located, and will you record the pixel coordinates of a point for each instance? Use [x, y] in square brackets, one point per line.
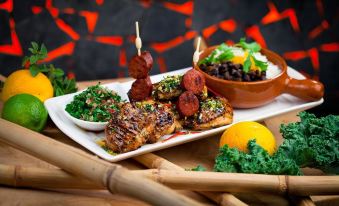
[153, 161]
[116, 178]
[14, 197]
[199, 181]
[240, 183]
[34, 177]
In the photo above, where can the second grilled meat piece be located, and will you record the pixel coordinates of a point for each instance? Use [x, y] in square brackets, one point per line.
[165, 122]
[213, 112]
[169, 88]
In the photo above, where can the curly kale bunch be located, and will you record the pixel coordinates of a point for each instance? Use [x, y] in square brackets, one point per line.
[312, 142]
[256, 161]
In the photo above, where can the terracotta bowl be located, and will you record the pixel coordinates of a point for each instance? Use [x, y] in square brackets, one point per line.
[255, 94]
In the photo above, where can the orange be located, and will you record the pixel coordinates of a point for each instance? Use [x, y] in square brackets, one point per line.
[238, 135]
[21, 81]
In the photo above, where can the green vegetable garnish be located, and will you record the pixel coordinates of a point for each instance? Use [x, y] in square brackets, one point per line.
[313, 142]
[61, 84]
[170, 83]
[95, 104]
[254, 46]
[251, 48]
[220, 54]
[198, 168]
[256, 161]
[212, 104]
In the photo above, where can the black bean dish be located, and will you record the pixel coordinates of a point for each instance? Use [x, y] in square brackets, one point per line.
[242, 62]
[230, 71]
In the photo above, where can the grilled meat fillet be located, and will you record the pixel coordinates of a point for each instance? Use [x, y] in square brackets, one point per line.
[213, 112]
[137, 124]
[169, 88]
[129, 129]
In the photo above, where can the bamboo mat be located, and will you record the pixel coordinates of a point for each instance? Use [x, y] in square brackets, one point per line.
[188, 155]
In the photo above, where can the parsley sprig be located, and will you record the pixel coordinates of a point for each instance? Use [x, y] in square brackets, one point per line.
[251, 48]
[61, 83]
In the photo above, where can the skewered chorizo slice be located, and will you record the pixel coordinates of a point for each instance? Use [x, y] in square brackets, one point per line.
[193, 81]
[140, 89]
[139, 66]
[188, 104]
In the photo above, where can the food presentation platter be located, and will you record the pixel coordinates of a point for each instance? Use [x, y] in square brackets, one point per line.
[56, 108]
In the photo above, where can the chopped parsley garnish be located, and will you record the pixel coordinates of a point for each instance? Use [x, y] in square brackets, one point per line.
[145, 106]
[220, 54]
[212, 104]
[95, 104]
[170, 83]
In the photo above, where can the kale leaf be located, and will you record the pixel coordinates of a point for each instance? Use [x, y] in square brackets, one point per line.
[313, 142]
[256, 161]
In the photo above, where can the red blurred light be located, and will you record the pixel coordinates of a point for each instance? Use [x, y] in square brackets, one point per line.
[185, 8]
[228, 25]
[64, 50]
[163, 46]
[112, 40]
[91, 19]
[254, 33]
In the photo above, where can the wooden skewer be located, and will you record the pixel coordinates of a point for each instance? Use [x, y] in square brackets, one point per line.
[112, 176]
[197, 53]
[138, 43]
[153, 161]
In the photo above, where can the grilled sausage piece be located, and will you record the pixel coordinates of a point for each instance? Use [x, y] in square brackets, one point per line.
[139, 66]
[193, 81]
[188, 104]
[140, 89]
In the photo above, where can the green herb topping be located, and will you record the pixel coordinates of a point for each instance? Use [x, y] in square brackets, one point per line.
[61, 84]
[95, 104]
[251, 48]
[212, 104]
[170, 83]
[145, 106]
[220, 54]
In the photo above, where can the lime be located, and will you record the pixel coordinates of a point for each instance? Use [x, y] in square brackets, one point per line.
[25, 110]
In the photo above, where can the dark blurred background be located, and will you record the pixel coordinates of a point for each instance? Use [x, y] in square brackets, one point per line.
[94, 39]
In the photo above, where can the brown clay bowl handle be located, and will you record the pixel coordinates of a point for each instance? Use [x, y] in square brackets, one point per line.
[306, 89]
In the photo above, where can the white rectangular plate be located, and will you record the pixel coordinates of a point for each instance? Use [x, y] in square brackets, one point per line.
[55, 106]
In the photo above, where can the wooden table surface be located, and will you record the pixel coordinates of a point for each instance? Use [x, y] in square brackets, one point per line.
[188, 155]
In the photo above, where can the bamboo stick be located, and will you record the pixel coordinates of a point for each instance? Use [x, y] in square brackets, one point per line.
[201, 181]
[153, 161]
[239, 183]
[302, 201]
[14, 197]
[114, 177]
[34, 177]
